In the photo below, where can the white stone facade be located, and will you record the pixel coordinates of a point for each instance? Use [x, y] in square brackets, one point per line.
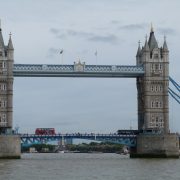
[153, 105]
[6, 84]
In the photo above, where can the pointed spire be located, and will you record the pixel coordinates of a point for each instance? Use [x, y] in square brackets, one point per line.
[146, 46]
[152, 40]
[1, 38]
[10, 45]
[165, 47]
[139, 49]
[0, 24]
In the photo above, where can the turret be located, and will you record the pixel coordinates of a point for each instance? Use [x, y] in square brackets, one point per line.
[165, 47]
[145, 52]
[10, 49]
[2, 47]
[146, 46]
[152, 40]
[138, 55]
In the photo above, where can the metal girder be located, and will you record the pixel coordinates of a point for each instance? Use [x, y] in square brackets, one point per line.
[76, 70]
[29, 139]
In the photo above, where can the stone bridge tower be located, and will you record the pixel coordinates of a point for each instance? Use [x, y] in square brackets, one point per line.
[10, 144]
[153, 106]
[6, 84]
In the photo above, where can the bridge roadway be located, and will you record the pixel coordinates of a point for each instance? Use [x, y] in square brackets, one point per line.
[29, 139]
[77, 70]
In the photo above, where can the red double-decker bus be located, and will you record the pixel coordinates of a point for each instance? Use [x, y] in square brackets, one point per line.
[45, 131]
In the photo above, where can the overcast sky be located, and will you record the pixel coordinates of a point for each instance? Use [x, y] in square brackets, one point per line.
[40, 28]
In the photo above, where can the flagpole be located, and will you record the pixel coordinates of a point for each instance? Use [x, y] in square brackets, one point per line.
[62, 57]
[96, 56]
[61, 52]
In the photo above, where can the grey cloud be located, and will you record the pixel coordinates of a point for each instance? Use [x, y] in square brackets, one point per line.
[79, 33]
[52, 52]
[106, 38]
[54, 30]
[60, 33]
[61, 36]
[133, 26]
[114, 22]
[166, 31]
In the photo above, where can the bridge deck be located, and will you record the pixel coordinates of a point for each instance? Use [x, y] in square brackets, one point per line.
[76, 70]
[28, 139]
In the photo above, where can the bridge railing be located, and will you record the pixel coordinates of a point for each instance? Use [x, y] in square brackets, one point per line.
[30, 69]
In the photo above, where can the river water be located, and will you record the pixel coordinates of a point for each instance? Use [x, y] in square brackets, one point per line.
[69, 166]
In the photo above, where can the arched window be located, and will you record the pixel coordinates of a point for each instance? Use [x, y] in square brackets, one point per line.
[152, 88]
[156, 88]
[156, 56]
[156, 66]
[152, 104]
[156, 104]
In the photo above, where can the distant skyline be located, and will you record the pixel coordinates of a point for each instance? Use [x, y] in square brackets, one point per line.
[41, 29]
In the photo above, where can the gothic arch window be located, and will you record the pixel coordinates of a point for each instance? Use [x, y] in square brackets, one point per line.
[4, 103]
[152, 88]
[152, 104]
[156, 121]
[156, 88]
[3, 120]
[156, 66]
[156, 104]
[4, 116]
[156, 56]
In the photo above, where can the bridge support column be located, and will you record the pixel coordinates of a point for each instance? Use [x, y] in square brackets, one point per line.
[156, 146]
[10, 147]
[153, 102]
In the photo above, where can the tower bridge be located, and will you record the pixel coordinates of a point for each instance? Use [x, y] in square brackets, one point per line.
[77, 70]
[152, 79]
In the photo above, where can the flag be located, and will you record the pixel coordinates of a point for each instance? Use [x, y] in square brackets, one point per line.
[61, 51]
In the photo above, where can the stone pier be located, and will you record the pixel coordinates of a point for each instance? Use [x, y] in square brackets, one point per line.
[156, 146]
[10, 147]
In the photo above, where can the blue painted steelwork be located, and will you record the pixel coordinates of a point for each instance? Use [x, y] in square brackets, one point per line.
[29, 139]
[175, 95]
[77, 70]
[176, 85]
